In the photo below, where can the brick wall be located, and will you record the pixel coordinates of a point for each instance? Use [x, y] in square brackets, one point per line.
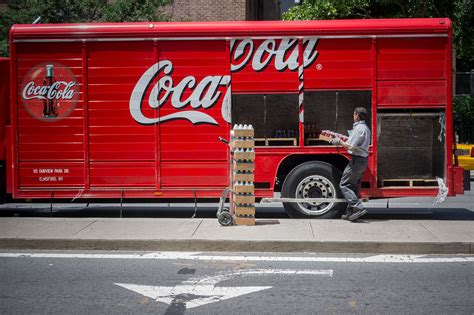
[208, 10]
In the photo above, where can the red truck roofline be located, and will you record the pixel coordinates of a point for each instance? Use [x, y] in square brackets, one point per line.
[232, 28]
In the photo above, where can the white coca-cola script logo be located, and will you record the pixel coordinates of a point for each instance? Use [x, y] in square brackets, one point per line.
[50, 91]
[57, 90]
[204, 94]
[285, 53]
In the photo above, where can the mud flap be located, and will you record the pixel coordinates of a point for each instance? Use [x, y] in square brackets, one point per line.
[467, 180]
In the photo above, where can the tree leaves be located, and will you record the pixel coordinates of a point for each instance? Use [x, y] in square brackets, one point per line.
[76, 11]
[461, 12]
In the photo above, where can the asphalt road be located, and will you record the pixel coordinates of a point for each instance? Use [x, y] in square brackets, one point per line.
[213, 283]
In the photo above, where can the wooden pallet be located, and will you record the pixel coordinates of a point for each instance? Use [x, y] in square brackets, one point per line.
[259, 142]
[270, 141]
[322, 141]
[409, 182]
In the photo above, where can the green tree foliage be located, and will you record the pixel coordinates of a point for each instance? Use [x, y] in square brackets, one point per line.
[463, 19]
[74, 11]
[464, 118]
[134, 11]
[329, 9]
[461, 12]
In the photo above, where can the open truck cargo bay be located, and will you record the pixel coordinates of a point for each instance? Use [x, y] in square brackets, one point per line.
[134, 110]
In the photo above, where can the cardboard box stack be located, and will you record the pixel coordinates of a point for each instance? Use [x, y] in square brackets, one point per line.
[242, 146]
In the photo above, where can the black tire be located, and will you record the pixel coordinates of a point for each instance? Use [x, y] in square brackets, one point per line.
[313, 180]
[225, 219]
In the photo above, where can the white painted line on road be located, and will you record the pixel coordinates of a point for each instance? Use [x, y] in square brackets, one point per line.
[210, 257]
[219, 278]
[199, 291]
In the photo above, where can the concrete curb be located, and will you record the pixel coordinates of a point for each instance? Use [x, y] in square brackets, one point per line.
[240, 246]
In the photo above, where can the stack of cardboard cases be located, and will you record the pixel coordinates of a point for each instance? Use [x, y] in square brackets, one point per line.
[242, 146]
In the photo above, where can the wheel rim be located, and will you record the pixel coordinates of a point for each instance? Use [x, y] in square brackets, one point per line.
[225, 219]
[315, 186]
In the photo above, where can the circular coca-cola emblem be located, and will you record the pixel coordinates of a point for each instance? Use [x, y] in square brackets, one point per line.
[50, 91]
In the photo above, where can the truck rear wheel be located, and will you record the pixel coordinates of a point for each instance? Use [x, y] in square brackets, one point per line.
[313, 180]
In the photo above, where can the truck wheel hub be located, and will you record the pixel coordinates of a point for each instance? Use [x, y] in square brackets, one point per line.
[315, 186]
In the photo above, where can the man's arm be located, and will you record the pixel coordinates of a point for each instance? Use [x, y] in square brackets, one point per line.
[338, 141]
[353, 143]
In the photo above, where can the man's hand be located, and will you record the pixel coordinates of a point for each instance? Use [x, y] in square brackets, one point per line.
[335, 141]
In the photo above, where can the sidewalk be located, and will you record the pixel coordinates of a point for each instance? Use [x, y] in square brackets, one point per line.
[280, 235]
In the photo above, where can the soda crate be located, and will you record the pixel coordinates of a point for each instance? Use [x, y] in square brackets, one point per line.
[244, 220]
[244, 144]
[244, 166]
[243, 177]
[244, 199]
[244, 210]
[244, 156]
[242, 133]
[244, 188]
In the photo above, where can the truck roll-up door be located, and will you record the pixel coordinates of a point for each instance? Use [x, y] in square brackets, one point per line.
[122, 151]
[50, 110]
[193, 91]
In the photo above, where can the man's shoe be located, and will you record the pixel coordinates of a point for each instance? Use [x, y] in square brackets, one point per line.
[349, 212]
[357, 215]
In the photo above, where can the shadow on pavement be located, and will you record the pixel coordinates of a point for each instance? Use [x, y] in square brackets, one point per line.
[267, 222]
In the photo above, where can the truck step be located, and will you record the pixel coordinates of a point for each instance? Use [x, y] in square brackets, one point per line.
[411, 182]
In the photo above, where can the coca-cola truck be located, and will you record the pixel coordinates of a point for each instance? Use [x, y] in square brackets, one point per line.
[135, 110]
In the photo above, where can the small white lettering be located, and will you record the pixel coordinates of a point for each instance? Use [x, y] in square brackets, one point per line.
[51, 171]
[48, 179]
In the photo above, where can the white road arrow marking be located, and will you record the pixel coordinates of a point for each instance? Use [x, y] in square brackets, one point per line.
[199, 291]
[190, 295]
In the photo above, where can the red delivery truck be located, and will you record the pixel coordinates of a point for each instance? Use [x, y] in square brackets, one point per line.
[135, 110]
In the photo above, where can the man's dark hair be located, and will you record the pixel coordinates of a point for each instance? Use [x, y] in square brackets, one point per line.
[361, 112]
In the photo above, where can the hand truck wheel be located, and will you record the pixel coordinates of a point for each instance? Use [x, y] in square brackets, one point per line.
[225, 209]
[225, 218]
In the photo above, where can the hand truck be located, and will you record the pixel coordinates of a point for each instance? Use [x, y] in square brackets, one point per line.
[225, 215]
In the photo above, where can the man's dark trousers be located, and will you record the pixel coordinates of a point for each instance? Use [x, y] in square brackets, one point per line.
[350, 181]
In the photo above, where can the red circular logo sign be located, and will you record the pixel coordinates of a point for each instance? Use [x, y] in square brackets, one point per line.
[50, 91]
